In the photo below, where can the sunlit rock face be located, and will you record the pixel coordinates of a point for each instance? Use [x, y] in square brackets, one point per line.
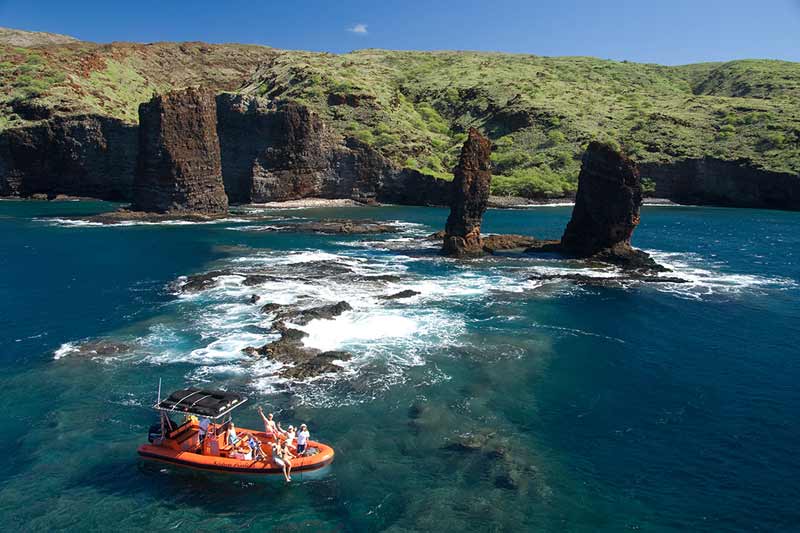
[179, 165]
[469, 197]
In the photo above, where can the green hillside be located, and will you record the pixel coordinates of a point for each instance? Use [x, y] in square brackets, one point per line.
[416, 106]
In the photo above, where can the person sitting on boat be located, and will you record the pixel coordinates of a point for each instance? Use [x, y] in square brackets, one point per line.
[277, 458]
[269, 424]
[287, 458]
[302, 440]
[231, 437]
[255, 446]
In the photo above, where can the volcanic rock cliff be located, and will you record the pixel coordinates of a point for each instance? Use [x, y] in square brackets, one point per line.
[470, 197]
[606, 210]
[273, 150]
[179, 166]
[85, 155]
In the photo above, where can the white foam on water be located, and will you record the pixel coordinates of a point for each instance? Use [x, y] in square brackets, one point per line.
[706, 278]
[64, 350]
[353, 329]
[69, 222]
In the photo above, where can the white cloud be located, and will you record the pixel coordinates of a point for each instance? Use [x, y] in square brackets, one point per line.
[360, 29]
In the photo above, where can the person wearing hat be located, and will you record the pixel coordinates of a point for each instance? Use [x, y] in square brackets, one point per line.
[289, 433]
[302, 440]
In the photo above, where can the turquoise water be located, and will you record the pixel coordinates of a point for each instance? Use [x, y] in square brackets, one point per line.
[489, 402]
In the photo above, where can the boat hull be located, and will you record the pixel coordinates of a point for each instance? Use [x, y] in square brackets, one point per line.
[230, 465]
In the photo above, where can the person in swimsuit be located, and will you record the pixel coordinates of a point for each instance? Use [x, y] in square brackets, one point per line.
[277, 458]
[269, 424]
[289, 433]
[287, 457]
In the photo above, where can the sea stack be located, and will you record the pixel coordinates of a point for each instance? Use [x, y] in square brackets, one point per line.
[607, 210]
[178, 167]
[469, 197]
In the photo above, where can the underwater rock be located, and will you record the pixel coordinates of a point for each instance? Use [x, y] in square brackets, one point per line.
[470, 197]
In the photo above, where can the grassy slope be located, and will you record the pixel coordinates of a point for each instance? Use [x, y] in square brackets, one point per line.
[416, 106]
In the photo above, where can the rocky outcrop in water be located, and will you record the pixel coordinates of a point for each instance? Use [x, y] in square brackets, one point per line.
[606, 210]
[712, 181]
[303, 362]
[469, 197]
[179, 164]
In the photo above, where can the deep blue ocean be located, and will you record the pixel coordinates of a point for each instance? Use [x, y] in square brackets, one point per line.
[491, 401]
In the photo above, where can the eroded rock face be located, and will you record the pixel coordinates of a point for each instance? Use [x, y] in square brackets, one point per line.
[606, 211]
[179, 165]
[274, 151]
[712, 181]
[607, 203]
[85, 156]
[470, 197]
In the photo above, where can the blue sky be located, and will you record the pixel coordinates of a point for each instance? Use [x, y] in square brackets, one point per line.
[668, 32]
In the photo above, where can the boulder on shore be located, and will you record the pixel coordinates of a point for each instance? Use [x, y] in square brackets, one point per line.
[469, 197]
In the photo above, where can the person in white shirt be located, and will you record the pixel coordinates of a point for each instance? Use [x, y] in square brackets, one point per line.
[204, 423]
[302, 439]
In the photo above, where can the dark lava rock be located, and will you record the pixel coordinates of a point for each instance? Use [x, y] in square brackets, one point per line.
[408, 293]
[271, 307]
[101, 348]
[321, 363]
[496, 243]
[324, 312]
[254, 298]
[607, 203]
[470, 197]
[201, 282]
[305, 362]
[179, 166]
[333, 226]
[607, 210]
[124, 215]
[608, 281]
[77, 155]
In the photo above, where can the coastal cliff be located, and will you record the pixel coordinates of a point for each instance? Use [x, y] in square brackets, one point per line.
[274, 150]
[178, 165]
[375, 125]
[84, 155]
[712, 181]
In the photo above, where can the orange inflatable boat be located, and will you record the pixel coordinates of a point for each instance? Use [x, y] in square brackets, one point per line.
[203, 440]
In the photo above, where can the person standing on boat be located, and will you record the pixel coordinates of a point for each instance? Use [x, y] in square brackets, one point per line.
[269, 424]
[204, 423]
[289, 433]
[302, 440]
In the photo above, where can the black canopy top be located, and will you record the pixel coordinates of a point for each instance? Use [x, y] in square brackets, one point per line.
[201, 402]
